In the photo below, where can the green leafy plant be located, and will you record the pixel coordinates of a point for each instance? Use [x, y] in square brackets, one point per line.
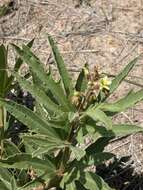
[66, 114]
[7, 147]
[7, 84]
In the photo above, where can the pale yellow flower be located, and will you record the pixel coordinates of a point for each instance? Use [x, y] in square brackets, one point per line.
[76, 93]
[86, 71]
[105, 83]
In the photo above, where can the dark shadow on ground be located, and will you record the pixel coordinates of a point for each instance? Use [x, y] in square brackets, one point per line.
[120, 174]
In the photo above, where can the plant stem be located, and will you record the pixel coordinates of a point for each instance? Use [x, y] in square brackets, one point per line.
[66, 152]
[2, 123]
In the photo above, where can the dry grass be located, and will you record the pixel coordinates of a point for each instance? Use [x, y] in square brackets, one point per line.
[108, 33]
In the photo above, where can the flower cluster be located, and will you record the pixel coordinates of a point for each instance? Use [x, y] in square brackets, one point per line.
[96, 83]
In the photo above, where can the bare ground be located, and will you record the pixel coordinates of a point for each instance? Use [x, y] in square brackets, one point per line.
[107, 33]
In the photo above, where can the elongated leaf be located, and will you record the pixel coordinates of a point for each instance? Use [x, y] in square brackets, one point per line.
[43, 140]
[117, 130]
[19, 61]
[81, 83]
[39, 94]
[3, 70]
[44, 144]
[71, 186]
[5, 177]
[98, 115]
[61, 67]
[98, 146]
[29, 118]
[10, 148]
[47, 149]
[13, 184]
[78, 152]
[127, 102]
[125, 129]
[46, 80]
[69, 177]
[98, 158]
[121, 76]
[59, 123]
[4, 185]
[17, 65]
[24, 161]
[22, 177]
[92, 181]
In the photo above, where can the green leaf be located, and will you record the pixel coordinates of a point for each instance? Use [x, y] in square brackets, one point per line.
[17, 65]
[78, 152]
[24, 161]
[44, 144]
[22, 177]
[19, 61]
[4, 185]
[81, 83]
[47, 81]
[61, 67]
[39, 94]
[98, 146]
[98, 158]
[117, 130]
[121, 76]
[93, 181]
[59, 122]
[3, 70]
[5, 174]
[13, 184]
[126, 129]
[71, 186]
[5, 177]
[69, 177]
[10, 148]
[127, 102]
[91, 132]
[98, 115]
[28, 118]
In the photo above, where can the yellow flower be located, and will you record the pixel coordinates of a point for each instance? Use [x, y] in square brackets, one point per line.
[76, 93]
[104, 83]
[86, 71]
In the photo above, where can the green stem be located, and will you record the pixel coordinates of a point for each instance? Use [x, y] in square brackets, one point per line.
[54, 182]
[2, 123]
[66, 152]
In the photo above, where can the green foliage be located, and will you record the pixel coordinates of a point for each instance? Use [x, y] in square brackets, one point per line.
[64, 117]
[121, 105]
[7, 83]
[120, 77]
[66, 80]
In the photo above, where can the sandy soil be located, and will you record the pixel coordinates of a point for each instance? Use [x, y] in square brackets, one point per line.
[107, 33]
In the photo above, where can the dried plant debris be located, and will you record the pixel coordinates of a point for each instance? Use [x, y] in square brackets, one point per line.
[7, 8]
[79, 3]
